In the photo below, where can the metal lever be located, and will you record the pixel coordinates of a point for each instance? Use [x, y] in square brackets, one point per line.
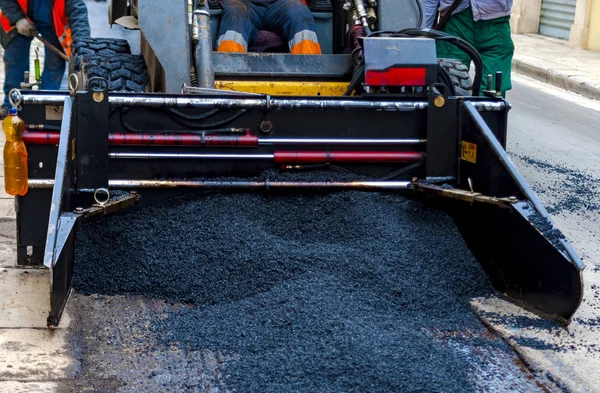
[499, 83]
[52, 47]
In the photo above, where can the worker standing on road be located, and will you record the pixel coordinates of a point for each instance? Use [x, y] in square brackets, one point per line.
[58, 21]
[291, 19]
[485, 24]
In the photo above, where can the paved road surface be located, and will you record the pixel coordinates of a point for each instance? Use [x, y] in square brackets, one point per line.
[554, 139]
[562, 130]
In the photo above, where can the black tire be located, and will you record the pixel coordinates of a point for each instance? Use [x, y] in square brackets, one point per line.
[124, 72]
[97, 46]
[459, 74]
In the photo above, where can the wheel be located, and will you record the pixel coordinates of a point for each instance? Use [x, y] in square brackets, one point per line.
[124, 72]
[111, 59]
[459, 75]
[97, 46]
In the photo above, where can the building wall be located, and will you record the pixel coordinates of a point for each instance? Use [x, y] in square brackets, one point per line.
[585, 32]
[594, 28]
[580, 29]
[525, 16]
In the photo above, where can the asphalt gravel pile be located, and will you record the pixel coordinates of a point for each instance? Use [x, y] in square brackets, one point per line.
[349, 291]
[545, 226]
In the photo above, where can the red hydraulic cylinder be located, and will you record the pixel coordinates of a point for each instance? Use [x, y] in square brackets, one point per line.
[345, 157]
[41, 138]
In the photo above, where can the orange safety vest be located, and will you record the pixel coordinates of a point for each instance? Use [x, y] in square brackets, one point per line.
[59, 19]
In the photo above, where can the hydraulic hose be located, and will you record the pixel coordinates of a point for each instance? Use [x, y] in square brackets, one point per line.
[420, 9]
[456, 41]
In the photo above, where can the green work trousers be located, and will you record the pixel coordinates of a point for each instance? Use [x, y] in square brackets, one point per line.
[492, 40]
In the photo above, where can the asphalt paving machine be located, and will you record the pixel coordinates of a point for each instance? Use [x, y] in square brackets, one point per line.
[377, 103]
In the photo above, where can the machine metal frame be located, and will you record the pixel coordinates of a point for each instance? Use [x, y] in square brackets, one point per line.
[450, 151]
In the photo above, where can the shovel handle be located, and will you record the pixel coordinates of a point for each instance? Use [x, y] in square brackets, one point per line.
[52, 47]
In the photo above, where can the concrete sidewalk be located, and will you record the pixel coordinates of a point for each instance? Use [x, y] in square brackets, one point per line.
[552, 61]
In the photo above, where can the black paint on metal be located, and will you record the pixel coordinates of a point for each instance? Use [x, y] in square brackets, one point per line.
[442, 134]
[32, 224]
[514, 174]
[519, 260]
[488, 175]
[91, 151]
[525, 262]
[528, 267]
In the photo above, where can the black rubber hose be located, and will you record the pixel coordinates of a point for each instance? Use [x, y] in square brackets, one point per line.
[420, 8]
[456, 41]
[445, 78]
[197, 128]
[201, 116]
[216, 123]
[357, 78]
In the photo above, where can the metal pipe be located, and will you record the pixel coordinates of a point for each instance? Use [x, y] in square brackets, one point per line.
[345, 157]
[150, 139]
[41, 183]
[118, 100]
[151, 101]
[288, 157]
[55, 99]
[362, 13]
[183, 140]
[250, 185]
[203, 59]
[340, 141]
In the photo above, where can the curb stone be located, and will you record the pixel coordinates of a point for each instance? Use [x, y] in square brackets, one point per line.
[558, 79]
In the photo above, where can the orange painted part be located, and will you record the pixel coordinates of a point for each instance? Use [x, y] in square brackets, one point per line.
[59, 19]
[61, 28]
[5, 23]
[306, 47]
[231, 46]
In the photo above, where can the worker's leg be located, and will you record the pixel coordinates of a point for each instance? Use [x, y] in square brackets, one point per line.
[496, 47]
[293, 21]
[239, 23]
[54, 65]
[16, 62]
[460, 25]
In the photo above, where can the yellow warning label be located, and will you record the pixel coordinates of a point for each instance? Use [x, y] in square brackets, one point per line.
[468, 152]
